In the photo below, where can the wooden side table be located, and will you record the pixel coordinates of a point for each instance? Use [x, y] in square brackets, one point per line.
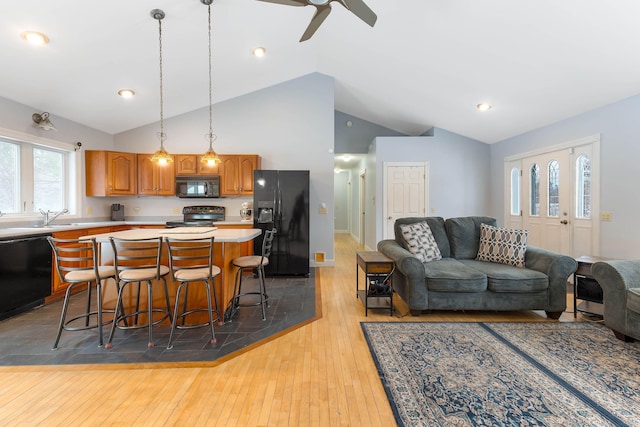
[586, 288]
[378, 269]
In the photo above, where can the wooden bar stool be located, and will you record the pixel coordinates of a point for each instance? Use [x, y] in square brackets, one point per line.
[136, 261]
[191, 260]
[76, 262]
[255, 263]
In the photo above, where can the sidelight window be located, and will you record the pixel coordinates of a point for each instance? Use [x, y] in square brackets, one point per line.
[553, 204]
[534, 208]
[583, 190]
[515, 191]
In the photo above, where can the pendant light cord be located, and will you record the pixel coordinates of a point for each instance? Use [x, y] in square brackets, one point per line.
[211, 135]
[162, 134]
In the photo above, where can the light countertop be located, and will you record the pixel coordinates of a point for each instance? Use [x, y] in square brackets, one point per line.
[16, 232]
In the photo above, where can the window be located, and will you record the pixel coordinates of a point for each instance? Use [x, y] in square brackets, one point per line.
[583, 182]
[9, 177]
[553, 205]
[33, 177]
[515, 191]
[535, 190]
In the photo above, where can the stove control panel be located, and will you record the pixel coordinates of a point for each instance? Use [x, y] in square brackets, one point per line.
[216, 210]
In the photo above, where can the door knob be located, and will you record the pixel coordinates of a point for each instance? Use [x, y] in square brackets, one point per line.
[564, 221]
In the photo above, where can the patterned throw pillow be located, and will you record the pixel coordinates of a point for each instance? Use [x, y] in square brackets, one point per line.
[420, 241]
[502, 245]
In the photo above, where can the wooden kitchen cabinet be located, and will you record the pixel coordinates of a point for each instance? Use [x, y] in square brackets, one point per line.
[155, 179]
[246, 248]
[110, 173]
[191, 164]
[236, 174]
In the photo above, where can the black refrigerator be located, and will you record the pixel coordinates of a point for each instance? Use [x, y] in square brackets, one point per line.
[281, 200]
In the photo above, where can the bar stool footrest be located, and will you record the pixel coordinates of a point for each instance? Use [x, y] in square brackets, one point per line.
[121, 318]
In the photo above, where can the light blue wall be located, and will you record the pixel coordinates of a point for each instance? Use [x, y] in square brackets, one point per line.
[357, 137]
[290, 125]
[17, 117]
[619, 129]
[458, 175]
[341, 194]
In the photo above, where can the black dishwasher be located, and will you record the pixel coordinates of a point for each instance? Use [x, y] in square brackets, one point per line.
[25, 273]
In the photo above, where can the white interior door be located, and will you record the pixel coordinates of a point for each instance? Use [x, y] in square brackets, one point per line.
[406, 193]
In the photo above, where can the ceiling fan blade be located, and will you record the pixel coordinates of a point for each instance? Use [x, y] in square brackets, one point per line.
[361, 10]
[288, 2]
[318, 18]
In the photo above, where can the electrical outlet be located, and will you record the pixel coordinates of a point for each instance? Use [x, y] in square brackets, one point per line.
[176, 210]
[433, 210]
[606, 216]
[137, 210]
[89, 210]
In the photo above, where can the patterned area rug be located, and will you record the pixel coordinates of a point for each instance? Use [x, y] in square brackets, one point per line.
[506, 374]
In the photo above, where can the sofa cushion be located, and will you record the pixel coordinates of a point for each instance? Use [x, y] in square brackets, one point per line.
[420, 241]
[633, 300]
[464, 235]
[450, 275]
[507, 278]
[502, 245]
[435, 223]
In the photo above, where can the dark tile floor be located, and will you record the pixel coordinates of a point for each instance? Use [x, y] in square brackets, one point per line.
[27, 338]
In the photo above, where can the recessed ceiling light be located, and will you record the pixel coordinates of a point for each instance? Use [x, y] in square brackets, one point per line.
[483, 106]
[259, 52]
[35, 38]
[126, 93]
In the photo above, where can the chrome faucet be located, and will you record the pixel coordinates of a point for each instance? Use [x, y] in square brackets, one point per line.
[50, 216]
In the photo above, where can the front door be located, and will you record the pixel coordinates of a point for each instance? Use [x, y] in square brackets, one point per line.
[554, 194]
[547, 202]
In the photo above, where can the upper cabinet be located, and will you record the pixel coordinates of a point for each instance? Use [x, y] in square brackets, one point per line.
[113, 173]
[236, 174]
[192, 164]
[110, 173]
[155, 179]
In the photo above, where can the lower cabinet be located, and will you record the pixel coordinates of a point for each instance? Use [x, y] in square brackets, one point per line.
[246, 248]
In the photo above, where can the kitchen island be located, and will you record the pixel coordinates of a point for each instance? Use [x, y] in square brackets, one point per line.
[227, 246]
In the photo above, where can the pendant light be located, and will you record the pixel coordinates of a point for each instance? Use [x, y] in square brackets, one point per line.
[210, 157]
[161, 156]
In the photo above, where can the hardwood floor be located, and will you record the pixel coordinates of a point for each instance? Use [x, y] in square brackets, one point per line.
[321, 374]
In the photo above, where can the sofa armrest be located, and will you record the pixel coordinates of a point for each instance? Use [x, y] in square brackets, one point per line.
[405, 261]
[558, 268]
[615, 279]
[409, 276]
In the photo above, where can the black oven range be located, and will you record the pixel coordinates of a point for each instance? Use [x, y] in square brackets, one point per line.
[199, 216]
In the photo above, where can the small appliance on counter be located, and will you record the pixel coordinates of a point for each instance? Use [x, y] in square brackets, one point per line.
[246, 212]
[117, 212]
[199, 216]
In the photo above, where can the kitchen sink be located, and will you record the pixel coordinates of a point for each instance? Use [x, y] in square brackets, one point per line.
[56, 226]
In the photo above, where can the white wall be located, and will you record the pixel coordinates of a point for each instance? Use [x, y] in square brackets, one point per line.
[619, 130]
[458, 175]
[290, 125]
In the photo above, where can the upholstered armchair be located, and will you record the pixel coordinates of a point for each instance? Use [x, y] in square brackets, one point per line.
[620, 282]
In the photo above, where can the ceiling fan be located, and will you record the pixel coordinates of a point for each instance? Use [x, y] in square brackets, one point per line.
[358, 7]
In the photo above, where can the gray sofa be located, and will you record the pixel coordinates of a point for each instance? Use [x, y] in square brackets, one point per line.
[620, 282]
[459, 282]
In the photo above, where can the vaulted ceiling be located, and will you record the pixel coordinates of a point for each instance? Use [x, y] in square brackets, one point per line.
[425, 63]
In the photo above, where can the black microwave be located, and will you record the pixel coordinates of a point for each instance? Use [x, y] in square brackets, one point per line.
[198, 186]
